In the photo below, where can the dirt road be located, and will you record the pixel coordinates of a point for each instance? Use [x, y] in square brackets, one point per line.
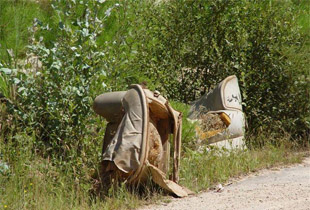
[285, 188]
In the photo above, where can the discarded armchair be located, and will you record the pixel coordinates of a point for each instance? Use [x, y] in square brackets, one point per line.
[220, 116]
[137, 138]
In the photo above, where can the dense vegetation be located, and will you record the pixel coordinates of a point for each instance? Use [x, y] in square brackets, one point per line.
[192, 45]
[180, 47]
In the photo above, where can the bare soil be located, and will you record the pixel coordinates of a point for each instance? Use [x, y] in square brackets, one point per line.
[277, 188]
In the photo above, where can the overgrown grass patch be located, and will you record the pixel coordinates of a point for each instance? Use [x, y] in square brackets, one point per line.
[15, 18]
[33, 182]
[200, 170]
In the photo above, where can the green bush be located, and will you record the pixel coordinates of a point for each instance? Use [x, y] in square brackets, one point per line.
[181, 48]
[54, 101]
[186, 47]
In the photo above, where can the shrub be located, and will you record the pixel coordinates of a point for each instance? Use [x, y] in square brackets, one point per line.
[55, 100]
[186, 47]
[182, 48]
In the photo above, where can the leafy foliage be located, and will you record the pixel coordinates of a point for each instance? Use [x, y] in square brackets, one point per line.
[186, 47]
[182, 48]
[55, 98]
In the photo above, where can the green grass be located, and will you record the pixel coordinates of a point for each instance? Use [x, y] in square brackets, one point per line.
[188, 128]
[15, 18]
[33, 182]
[36, 182]
[303, 19]
[202, 170]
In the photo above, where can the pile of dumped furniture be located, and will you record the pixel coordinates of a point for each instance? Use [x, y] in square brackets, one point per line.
[140, 123]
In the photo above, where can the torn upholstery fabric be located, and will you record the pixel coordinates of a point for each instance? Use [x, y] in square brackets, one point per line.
[125, 146]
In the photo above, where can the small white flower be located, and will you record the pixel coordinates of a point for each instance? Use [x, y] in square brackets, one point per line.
[108, 12]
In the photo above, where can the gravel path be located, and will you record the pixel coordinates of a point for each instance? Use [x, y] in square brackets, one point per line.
[285, 188]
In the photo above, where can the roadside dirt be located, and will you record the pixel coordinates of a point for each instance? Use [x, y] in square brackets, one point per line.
[279, 188]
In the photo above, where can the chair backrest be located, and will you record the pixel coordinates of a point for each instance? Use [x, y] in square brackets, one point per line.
[149, 111]
[225, 96]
